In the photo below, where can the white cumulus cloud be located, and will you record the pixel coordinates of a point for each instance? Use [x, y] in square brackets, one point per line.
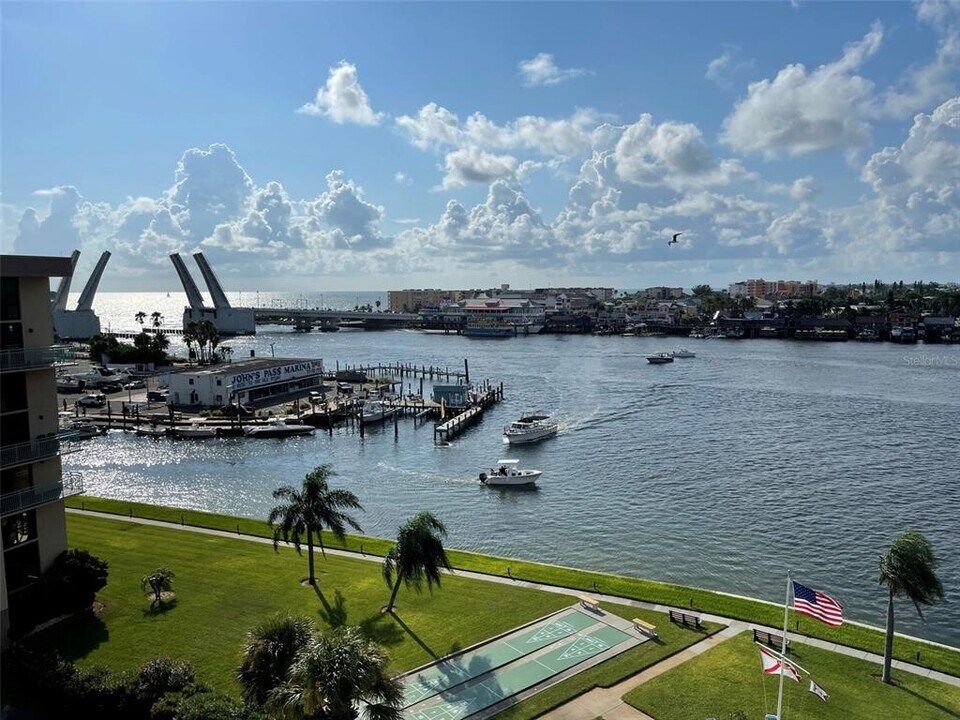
[542, 70]
[799, 112]
[471, 165]
[342, 99]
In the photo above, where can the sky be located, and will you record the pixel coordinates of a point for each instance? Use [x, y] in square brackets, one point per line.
[373, 146]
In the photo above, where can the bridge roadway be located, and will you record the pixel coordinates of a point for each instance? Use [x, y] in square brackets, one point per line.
[302, 316]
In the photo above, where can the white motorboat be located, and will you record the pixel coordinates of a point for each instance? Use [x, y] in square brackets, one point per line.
[195, 431]
[530, 428]
[375, 411]
[278, 428]
[683, 353]
[659, 358]
[84, 429]
[508, 472]
[151, 431]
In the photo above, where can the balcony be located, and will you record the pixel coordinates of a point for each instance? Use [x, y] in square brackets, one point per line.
[31, 497]
[36, 450]
[30, 358]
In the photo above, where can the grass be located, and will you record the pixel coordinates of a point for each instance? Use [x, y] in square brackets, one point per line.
[727, 678]
[672, 639]
[224, 587]
[938, 658]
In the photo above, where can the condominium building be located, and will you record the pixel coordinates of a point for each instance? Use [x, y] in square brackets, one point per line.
[32, 483]
[414, 300]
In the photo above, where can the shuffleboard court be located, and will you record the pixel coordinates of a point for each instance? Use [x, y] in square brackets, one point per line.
[471, 696]
[459, 669]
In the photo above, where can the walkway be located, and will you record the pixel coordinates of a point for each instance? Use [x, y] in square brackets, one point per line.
[600, 702]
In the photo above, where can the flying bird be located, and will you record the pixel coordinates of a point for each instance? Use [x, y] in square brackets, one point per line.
[674, 241]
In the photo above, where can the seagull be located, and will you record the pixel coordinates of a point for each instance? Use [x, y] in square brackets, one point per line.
[674, 241]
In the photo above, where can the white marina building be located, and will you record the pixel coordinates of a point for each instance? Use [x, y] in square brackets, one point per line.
[255, 382]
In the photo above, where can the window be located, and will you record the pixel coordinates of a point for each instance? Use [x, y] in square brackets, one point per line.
[22, 565]
[13, 392]
[219, 382]
[9, 299]
[18, 529]
[191, 381]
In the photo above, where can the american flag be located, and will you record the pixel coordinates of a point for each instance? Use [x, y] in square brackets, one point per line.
[817, 604]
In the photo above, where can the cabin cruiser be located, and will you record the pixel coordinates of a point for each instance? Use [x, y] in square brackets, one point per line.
[530, 428]
[683, 353]
[277, 428]
[508, 472]
[659, 358]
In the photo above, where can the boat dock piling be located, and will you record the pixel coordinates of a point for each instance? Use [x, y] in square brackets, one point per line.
[456, 425]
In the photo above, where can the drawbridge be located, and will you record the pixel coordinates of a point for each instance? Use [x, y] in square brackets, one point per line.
[228, 320]
[81, 323]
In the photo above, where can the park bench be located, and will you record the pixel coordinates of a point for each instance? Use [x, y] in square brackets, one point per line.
[589, 602]
[768, 638]
[644, 627]
[678, 616]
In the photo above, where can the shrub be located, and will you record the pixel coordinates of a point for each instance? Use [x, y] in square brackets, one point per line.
[72, 582]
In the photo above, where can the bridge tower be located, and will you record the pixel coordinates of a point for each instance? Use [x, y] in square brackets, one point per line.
[82, 323]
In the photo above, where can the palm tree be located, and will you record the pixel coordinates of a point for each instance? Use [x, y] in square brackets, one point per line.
[908, 568]
[268, 652]
[159, 581]
[417, 556]
[311, 509]
[140, 317]
[156, 318]
[339, 676]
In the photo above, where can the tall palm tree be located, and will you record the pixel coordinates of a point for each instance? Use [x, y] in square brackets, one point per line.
[908, 568]
[307, 511]
[140, 317]
[417, 556]
[337, 677]
[268, 653]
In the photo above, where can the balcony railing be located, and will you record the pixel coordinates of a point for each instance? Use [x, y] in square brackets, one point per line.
[35, 450]
[27, 358]
[31, 497]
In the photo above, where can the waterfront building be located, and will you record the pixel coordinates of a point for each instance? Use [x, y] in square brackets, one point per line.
[254, 382]
[662, 293]
[411, 301]
[32, 520]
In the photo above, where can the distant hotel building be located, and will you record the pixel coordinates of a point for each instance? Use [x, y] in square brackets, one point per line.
[34, 530]
[780, 289]
[411, 301]
[662, 293]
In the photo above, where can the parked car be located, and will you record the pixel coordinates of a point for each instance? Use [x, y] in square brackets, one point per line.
[345, 388]
[157, 395]
[92, 400]
[135, 385]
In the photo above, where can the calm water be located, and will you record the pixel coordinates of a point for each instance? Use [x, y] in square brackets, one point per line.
[722, 471]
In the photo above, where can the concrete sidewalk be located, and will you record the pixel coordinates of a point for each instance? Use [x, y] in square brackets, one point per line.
[600, 702]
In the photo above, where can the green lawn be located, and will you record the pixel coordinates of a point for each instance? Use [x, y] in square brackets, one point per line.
[672, 639]
[943, 659]
[223, 587]
[728, 678]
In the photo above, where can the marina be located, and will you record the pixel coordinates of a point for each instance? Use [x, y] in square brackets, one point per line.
[682, 460]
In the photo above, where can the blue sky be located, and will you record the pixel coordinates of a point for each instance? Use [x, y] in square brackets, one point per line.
[380, 145]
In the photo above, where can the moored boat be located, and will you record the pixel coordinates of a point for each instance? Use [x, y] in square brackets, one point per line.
[509, 473]
[375, 410]
[530, 428]
[277, 428]
[195, 431]
[683, 353]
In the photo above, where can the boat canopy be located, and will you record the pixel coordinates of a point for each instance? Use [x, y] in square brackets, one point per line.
[508, 462]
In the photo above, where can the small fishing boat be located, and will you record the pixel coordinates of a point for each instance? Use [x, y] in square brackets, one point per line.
[277, 428]
[153, 432]
[375, 411]
[659, 358]
[530, 428]
[508, 472]
[195, 431]
[84, 429]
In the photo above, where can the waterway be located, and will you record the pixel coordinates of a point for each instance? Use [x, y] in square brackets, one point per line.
[722, 471]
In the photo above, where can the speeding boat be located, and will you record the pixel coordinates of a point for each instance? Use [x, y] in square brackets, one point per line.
[508, 472]
[530, 428]
[659, 358]
[277, 428]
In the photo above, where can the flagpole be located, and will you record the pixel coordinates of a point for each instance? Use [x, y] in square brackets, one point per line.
[783, 650]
